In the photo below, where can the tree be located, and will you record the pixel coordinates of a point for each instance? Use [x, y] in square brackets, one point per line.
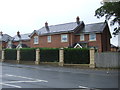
[110, 9]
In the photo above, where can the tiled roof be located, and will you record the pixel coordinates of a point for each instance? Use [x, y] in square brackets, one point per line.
[68, 27]
[23, 37]
[95, 27]
[59, 28]
[5, 37]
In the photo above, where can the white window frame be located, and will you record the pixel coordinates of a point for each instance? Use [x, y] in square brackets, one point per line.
[36, 40]
[92, 37]
[82, 37]
[49, 39]
[63, 36]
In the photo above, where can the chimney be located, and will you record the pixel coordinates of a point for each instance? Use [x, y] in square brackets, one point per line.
[1, 33]
[18, 34]
[46, 26]
[78, 20]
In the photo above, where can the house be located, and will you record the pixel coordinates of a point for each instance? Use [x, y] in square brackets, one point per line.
[4, 39]
[95, 35]
[21, 40]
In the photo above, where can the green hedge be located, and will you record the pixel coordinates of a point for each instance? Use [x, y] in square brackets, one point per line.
[10, 54]
[49, 55]
[28, 54]
[76, 56]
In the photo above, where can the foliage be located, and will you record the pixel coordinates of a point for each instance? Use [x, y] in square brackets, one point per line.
[110, 9]
[28, 54]
[10, 54]
[49, 54]
[76, 56]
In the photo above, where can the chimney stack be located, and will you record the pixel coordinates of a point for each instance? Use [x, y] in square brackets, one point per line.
[46, 24]
[78, 20]
[1, 33]
[18, 34]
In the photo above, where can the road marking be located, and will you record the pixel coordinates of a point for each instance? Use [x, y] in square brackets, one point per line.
[82, 87]
[11, 85]
[27, 78]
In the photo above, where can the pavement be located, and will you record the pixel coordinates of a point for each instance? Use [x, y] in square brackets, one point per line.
[53, 77]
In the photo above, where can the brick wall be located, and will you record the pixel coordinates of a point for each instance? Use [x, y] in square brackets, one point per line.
[27, 42]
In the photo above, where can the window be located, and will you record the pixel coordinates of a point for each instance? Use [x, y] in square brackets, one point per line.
[82, 37]
[64, 38]
[92, 37]
[49, 38]
[36, 40]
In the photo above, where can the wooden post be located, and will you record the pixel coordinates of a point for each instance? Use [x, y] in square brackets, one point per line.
[92, 58]
[61, 57]
[37, 57]
[18, 56]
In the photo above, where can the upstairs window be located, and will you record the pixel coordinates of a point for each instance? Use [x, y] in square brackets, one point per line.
[36, 40]
[49, 38]
[64, 38]
[92, 37]
[82, 37]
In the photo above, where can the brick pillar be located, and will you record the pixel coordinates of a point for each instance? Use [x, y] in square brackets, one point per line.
[18, 56]
[92, 58]
[37, 57]
[61, 57]
[3, 55]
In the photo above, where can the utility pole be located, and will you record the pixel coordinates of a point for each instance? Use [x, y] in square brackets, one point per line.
[1, 35]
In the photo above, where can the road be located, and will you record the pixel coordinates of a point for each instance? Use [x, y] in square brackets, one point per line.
[44, 76]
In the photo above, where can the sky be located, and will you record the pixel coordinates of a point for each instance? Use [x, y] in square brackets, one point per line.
[29, 15]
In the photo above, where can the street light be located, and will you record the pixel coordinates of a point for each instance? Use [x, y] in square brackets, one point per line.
[1, 35]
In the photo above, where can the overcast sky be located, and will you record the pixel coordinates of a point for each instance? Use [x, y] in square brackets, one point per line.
[28, 15]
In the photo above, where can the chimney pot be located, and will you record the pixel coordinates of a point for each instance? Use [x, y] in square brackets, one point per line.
[1, 33]
[18, 34]
[78, 20]
[46, 24]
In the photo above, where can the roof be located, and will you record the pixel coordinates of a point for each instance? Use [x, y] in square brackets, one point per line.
[60, 28]
[71, 27]
[23, 37]
[95, 27]
[6, 38]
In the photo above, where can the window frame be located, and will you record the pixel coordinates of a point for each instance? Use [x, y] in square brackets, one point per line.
[64, 36]
[36, 40]
[83, 37]
[92, 35]
[49, 40]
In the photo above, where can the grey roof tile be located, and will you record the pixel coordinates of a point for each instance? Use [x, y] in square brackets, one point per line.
[5, 37]
[58, 28]
[23, 37]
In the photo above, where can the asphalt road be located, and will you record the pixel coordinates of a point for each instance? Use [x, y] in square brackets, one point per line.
[44, 76]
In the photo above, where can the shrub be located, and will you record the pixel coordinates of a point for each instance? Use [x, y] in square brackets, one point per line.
[10, 54]
[49, 54]
[28, 54]
[76, 56]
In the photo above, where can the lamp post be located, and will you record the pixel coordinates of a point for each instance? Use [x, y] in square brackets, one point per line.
[1, 35]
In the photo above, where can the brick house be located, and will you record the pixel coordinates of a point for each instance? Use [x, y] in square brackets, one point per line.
[4, 39]
[21, 40]
[73, 34]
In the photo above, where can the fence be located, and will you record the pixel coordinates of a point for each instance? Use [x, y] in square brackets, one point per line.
[53, 55]
[107, 60]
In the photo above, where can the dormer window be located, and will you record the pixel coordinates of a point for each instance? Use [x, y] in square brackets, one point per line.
[36, 40]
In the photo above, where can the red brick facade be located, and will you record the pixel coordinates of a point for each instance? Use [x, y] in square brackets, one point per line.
[102, 40]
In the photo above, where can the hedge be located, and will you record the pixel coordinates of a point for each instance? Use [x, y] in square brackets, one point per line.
[10, 54]
[49, 55]
[76, 56]
[28, 54]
